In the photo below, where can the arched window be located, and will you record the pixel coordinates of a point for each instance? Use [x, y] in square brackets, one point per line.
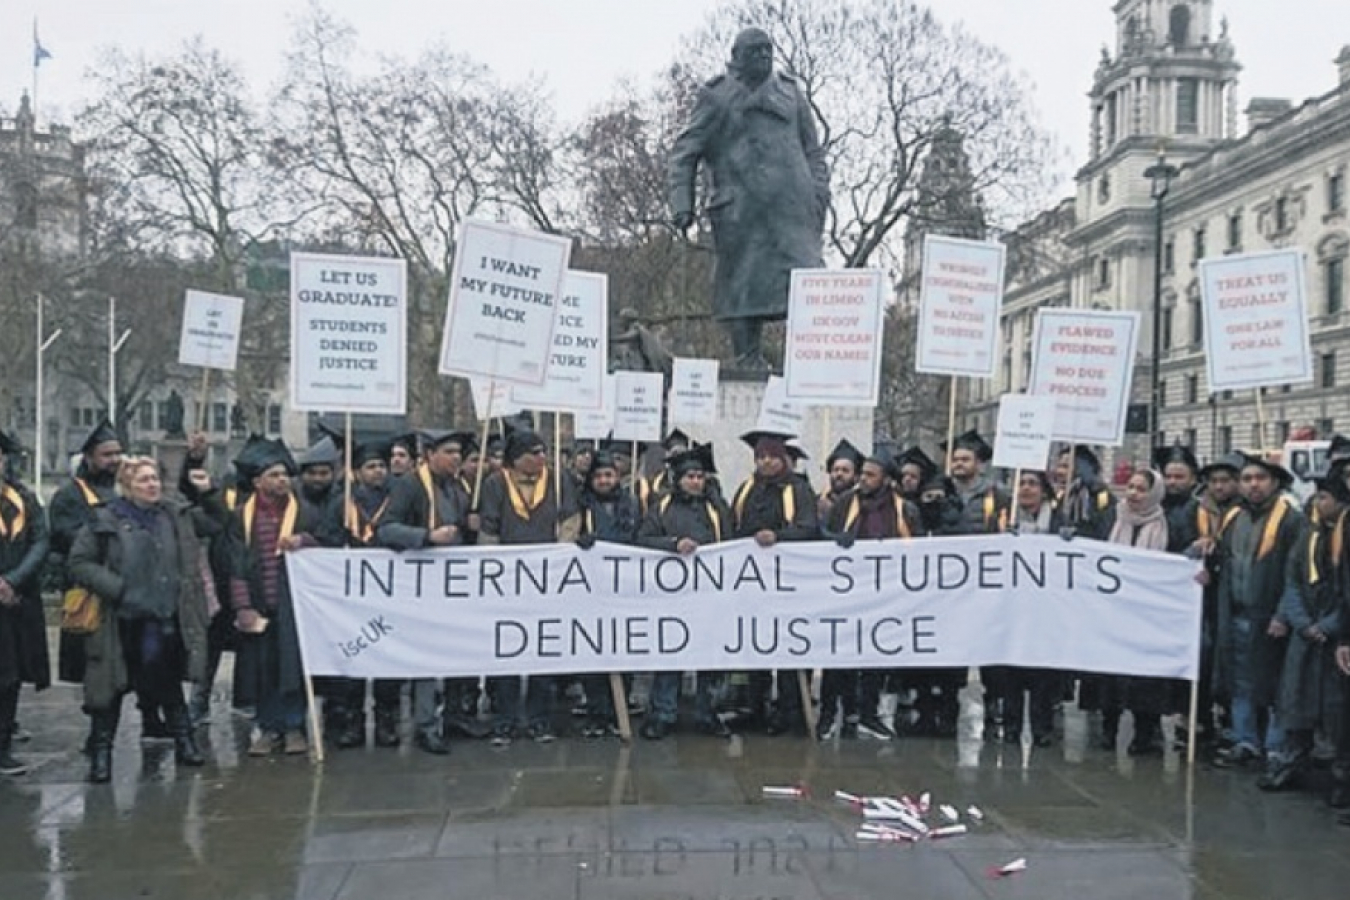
[1179, 25]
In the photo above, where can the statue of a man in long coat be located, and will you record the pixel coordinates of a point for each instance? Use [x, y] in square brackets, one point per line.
[756, 133]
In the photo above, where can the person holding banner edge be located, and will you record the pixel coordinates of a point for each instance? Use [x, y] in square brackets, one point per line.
[521, 505]
[428, 508]
[775, 505]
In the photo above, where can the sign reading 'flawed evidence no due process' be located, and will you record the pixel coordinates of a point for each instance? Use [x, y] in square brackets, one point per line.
[834, 337]
[1256, 321]
[1084, 360]
[348, 334]
[504, 296]
[959, 302]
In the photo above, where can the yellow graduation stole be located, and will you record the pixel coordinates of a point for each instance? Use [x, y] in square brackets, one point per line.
[855, 510]
[1337, 545]
[231, 498]
[1271, 530]
[364, 531]
[522, 508]
[287, 519]
[15, 527]
[789, 501]
[90, 497]
[713, 515]
[424, 476]
[992, 515]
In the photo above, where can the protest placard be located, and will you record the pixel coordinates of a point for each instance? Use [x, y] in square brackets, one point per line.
[348, 334]
[505, 292]
[596, 425]
[834, 330]
[777, 412]
[210, 336]
[577, 365]
[960, 298]
[638, 404]
[1256, 320]
[1025, 428]
[693, 391]
[492, 399]
[1084, 361]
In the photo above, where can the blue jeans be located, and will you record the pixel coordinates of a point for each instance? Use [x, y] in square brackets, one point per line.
[664, 697]
[539, 696]
[1253, 727]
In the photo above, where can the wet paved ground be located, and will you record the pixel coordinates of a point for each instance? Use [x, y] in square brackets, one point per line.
[680, 820]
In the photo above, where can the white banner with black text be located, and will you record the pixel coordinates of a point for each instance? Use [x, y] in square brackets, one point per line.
[942, 602]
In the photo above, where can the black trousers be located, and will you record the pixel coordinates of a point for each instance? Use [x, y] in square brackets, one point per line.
[1042, 687]
[856, 691]
[156, 662]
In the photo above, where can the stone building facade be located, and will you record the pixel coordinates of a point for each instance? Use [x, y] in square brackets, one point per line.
[1169, 86]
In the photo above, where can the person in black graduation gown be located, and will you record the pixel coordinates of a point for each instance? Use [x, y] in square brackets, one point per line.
[609, 514]
[23, 626]
[428, 507]
[1181, 477]
[773, 506]
[690, 516]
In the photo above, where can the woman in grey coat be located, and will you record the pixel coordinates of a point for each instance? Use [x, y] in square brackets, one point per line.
[142, 558]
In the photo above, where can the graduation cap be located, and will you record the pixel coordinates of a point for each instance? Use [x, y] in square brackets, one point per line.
[323, 453]
[697, 458]
[337, 435]
[972, 441]
[104, 433]
[882, 455]
[1334, 486]
[522, 442]
[1232, 462]
[601, 459]
[1339, 450]
[262, 454]
[777, 439]
[9, 446]
[676, 439]
[434, 438]
[1277, 471]
[915, 456]
[795, 451]
[1177, 453]
[845, 451]
[1085, 462]
[618, 448]
[371, 450]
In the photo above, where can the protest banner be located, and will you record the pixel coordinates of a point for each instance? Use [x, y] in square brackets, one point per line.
[596, 425]
[834, 329]
[1256, 321]
[1025, 428]
[960, 299]
[577, 366]
[693, 391]
[557, 609]
[505, 292]
[1084, 361]
[777, 412]
[638, 404]
[348, 334]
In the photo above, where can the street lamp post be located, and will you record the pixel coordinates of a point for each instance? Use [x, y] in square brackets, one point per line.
[1161, 174]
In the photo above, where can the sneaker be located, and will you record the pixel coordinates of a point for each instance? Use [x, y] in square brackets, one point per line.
[827, 730]
[849, 730]
[429, 741]
[542, 733]
[872, 728]
[261, 743]
[1236, 757]
[503, 735]
[654, 730]
[20, 735]
[11, 766]
[295, 743]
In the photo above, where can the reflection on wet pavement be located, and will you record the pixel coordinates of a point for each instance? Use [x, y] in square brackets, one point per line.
[683, 819]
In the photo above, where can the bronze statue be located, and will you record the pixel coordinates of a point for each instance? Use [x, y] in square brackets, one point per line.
[756, 134]
[636, 348]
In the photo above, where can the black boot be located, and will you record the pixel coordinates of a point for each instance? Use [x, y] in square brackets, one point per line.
[1110, 728]
[102, 730]
[386, 727]
[9, 703]
[351, 730]
[185, 750]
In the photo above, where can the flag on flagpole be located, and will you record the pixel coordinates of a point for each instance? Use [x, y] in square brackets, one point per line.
[39, 52]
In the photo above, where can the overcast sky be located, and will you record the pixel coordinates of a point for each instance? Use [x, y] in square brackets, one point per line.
[581, 47]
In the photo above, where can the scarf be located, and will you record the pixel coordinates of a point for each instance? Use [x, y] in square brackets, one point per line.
[525, 509]
[14, 528]
[145, 517]
[1337, 545]
[288, 516]
[1146, 529]
[1038, 523]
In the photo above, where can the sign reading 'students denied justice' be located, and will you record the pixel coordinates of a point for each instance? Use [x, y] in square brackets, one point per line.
[348, 334]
